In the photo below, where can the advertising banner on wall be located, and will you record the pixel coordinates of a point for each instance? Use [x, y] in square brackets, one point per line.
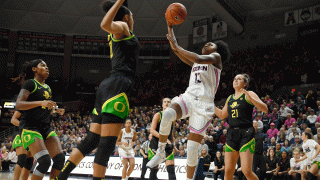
[85, 167]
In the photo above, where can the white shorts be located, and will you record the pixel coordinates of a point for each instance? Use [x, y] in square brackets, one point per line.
[125, 154]
[199, 111]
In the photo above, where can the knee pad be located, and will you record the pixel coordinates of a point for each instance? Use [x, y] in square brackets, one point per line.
[44, 161]
[90, 142]
[22, 160]
[105, 149]
[171, 172]
[58, 161]
[192, 153]
[169, 115]
[29, 163]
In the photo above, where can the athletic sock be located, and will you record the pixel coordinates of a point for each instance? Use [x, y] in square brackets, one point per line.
[97, 178]
[66, 170]
[162, 146]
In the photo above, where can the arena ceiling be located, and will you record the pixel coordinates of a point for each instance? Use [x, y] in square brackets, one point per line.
[84, 16]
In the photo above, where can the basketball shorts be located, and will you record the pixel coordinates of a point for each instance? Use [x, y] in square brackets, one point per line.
[112, 105]
[154, 146]
[240, 139]
[199, 111]
[17, 140]
[126, 153]
[28, 134]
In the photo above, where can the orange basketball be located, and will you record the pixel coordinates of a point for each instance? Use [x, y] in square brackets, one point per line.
[176, 13]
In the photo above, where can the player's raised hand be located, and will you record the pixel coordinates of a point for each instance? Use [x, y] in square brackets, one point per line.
[173, 42]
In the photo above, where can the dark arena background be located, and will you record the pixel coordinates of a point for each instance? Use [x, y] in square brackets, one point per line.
[276, 42]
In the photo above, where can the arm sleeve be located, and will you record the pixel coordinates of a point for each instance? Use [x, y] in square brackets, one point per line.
[29, 85]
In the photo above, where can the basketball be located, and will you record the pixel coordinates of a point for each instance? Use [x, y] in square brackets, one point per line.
[176, 13]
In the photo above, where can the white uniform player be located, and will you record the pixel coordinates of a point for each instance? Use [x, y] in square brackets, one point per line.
[296, 165]
[198, 100]
[126, 151]
[309, 147]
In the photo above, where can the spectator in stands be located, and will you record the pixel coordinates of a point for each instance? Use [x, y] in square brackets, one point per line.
[288, 122]
[281, 138]
[272, 143]
[275, 115]
[300, 105]
[223, 137]
[317, 136]
[286, 146]
[292, 134]
[294, 126]
[201, 146]
[284, 111]
[297, 144]
[271, 163]
[312, 118]
[278, 150]
[311, 100]
[212, 145]
[300, 96]
[272, 132]
[219, 163]
[182, 153]
[207, 159]
[283, 166]
[5, 153]
[304, 120]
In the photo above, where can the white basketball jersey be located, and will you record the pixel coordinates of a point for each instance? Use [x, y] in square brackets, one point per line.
[204, 81]
[127, 137]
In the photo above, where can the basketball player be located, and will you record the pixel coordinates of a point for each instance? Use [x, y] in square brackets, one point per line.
[111, 106]
[240, 136]
[125, 143]
[312, 150]
[25, 159]
[35, 99]
[154, 130]
[198, 100]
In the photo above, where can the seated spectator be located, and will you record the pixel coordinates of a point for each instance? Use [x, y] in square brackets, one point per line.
[272, 132]
[291, 135]
[207, 159]
[275, 115]
[317, 136]
[282, 138]
[304, 120]
[297, 144]
[300, 104]
[278, 150]
[212, 145]
[312, 118]
[5, 167]
[182, 153]
[294, 126]
[219, 163]
[283, 166]
[284, 111]
[294, 172]
[272, 143]
[201, 146]
[223, 137]
[271, 163]
[286, 146]
[288, 122]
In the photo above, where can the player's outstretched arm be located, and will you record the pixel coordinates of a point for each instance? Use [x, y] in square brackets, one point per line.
[171, 33]
[110, 26]
[213, 58]
[15, 117]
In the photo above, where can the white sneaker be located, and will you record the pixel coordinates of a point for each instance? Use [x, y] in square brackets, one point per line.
[157, 159]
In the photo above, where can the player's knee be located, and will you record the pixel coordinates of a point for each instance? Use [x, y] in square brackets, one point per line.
[29, 163]
[169, 115]
[58, 161]
[22, 160]
[44, 161]
[105, 149]
[90, 142]
[192, 151]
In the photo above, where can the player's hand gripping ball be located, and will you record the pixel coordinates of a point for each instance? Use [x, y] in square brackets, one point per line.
[176, 13]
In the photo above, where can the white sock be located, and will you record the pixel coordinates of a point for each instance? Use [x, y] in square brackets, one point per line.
[127, 177]
[188, 179]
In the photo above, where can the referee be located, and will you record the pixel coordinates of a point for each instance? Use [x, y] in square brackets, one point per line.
[144, 151]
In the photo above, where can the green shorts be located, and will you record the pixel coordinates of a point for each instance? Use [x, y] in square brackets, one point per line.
[28, 136]
[316, 162]
[17, 142]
